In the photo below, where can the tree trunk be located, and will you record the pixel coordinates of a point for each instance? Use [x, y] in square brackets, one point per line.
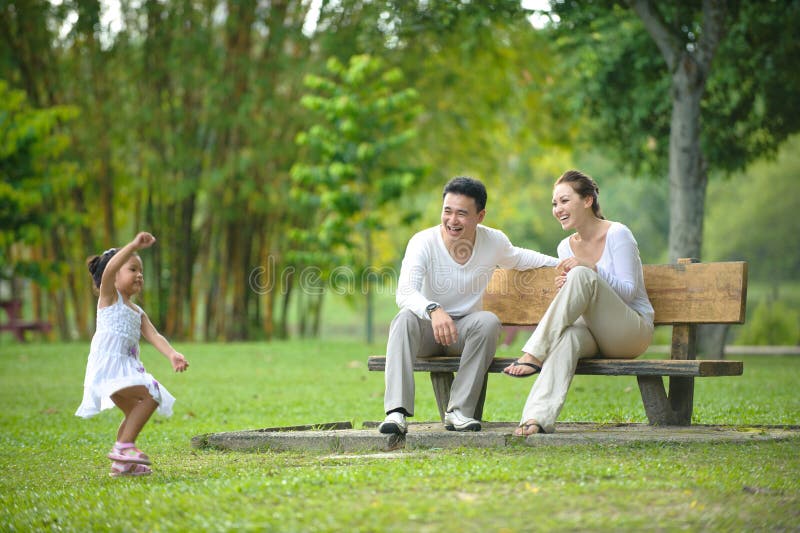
[687, 172]
[267, 285]
[367, 281]
[240, 293]
[711, 340]
[287, 285]
[689, 65]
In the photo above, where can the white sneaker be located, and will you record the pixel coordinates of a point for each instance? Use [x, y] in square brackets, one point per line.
[455, 421]
[394, 423]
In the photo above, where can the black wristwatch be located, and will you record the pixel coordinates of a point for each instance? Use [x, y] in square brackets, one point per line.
[431, 308]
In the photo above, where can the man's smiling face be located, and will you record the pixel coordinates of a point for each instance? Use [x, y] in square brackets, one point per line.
[460, 218]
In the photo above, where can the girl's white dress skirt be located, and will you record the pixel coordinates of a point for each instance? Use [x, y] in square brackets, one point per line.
[114, 362]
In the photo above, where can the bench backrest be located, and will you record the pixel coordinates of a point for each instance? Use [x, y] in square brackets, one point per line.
[694, 293]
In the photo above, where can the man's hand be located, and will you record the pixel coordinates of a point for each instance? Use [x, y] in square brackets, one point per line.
[444, 329]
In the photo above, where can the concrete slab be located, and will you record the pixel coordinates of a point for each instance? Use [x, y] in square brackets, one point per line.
[340, 437]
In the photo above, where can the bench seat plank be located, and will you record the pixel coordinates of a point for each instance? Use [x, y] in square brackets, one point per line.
[599, 367]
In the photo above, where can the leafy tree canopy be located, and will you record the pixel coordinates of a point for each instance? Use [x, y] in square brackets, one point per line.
[31, 179]
[750, 105]
[352, 168]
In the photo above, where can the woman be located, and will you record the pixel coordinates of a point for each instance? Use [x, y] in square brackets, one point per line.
[601, 307]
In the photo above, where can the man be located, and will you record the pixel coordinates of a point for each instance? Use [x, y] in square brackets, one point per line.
[444, 274]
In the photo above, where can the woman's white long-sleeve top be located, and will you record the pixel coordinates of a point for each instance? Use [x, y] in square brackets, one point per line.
[620, 266]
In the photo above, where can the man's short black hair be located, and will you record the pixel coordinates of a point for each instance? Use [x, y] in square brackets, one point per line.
[468, 187]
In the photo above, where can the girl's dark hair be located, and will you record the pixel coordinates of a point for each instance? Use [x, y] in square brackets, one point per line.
[97, 264]
[584, 186]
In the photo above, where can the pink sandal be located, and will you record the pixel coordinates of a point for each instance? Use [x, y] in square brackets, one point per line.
[119, 469]
[128, 454]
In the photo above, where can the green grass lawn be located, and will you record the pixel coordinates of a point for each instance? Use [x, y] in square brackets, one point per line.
[55, 471]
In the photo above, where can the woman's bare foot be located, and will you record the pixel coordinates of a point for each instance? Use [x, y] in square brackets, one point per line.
[527, 365]
[530, 427]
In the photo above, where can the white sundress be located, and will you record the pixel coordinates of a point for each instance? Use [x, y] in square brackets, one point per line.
[114, 362]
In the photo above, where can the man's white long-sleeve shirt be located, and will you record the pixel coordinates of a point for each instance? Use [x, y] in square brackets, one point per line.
[430, 274]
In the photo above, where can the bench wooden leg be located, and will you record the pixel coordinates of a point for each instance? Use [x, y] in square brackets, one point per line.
[681, 399]
[674, 409]
[442, 381]
[663, 410]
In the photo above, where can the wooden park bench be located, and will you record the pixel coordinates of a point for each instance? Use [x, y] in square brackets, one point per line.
[684, 295]
[16, 324]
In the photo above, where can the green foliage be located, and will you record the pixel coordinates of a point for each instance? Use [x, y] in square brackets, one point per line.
[55, 470]
[772, 323]
[356, 168]
[753, 217]
[491, 112]
[639, 204]
[33, 178]
[614, 77]
[189, 117]
[190, 113]
[751, 105]
[776, 303]
[620, 89]
[353, 170]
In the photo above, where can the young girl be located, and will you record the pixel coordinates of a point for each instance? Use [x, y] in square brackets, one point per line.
[114, 373]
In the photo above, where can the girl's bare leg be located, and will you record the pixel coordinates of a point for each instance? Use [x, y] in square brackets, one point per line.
[138, 406]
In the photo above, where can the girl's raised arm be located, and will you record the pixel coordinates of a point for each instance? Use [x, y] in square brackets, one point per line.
[108, 291]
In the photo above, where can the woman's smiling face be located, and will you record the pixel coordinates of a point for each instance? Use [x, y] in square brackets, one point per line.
[568, 207]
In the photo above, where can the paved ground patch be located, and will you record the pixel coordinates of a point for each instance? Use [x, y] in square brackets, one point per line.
[340, 437]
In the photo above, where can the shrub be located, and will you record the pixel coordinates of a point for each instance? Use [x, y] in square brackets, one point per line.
[773, 323]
